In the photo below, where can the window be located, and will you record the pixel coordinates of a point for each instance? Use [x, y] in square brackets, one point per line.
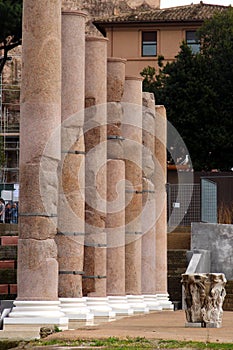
[192, 41]
[149, 43]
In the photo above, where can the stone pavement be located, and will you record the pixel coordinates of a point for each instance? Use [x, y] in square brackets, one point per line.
[167, 325]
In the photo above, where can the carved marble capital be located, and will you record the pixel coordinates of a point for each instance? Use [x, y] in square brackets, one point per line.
[204, 296]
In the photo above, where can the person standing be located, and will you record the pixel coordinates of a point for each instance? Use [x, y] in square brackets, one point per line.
[14, 213]
[8, 213]
[2, 210]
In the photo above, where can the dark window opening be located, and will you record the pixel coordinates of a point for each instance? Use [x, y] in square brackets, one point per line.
[149, 43]
[192, 41]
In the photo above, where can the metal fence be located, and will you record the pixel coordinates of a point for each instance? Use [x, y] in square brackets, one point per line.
[210, 200]
[183, 204]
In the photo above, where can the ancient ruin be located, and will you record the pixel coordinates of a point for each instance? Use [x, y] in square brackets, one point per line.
[92, 228]
[204, 296]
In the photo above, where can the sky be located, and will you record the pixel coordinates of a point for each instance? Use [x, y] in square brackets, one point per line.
[171, 3]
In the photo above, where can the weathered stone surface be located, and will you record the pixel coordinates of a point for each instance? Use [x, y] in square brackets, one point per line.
[148, 197]
[115, 227]
[133, 209]
[133, 90]
[96, 69]
[148, 135]
[161, 199]
[38, 227]
[204, 296]
[148, 102]
[40, 116]
[70, 238]
[73, 62]
[148, 238]
[132, 132]
[133, 265]
[70, 253]
[115, 79]
[115, 148]
[38, 188]
[218, 239]
[37, 269]
[94, 280]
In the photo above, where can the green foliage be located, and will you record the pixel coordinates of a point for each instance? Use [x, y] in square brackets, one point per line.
[10, 27]
[197, 91]
[57, 329]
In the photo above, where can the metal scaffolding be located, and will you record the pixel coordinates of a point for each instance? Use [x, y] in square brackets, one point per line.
[9, 167]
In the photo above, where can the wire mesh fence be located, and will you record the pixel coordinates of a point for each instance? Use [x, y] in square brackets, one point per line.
[210, 200]
[183, 204]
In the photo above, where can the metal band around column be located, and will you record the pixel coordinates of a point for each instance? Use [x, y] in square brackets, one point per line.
[98, 245]
[39, 214]
[97, 276]
[115, 137]
[61, 233]
[71, 272]
[133, 191]
[133, 233]
[74, 152]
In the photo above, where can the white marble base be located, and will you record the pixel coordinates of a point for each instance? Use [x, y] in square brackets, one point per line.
[151, 302]
[77, 312]
[164, 302]
[193, 325]
[137, 303]
[120, 306]
[27, 317]
[100, 308]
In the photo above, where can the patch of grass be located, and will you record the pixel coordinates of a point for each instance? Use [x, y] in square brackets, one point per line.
[174, 344]
[8, 344]
[131, 344]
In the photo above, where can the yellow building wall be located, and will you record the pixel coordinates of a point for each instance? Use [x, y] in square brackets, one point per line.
[125, 42]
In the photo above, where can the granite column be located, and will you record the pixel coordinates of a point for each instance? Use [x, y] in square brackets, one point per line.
[132, 132]
[161, 205]
[71, 220]
[37, 302]
[70, 237]
[94, 279]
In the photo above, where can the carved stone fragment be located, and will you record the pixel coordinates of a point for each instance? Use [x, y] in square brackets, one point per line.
[204, 296]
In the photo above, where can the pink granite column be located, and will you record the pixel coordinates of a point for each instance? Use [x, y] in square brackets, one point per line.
[94, 280]
[115, 223]
[115, 79]
[161, 199]
[70, 237]
[132, 132]
[148, 197]
[115, 227]
[40, 116]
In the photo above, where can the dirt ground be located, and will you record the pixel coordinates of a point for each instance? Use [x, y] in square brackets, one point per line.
[155, 325]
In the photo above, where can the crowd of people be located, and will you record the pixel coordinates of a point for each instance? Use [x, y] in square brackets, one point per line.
[8, 212]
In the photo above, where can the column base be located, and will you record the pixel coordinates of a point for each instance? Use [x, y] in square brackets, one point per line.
[164, 302]
[77, 312]
[100, 308]
[151, 302]
[193, 325]
[27, 317]
[137, 303]
[120, 305]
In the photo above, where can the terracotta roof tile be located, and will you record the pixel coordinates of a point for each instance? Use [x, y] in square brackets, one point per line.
[193, 12]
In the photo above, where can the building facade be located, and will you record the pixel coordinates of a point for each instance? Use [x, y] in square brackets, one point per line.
[142, 37]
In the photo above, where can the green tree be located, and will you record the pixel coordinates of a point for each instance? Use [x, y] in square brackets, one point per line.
[197, 91]
[10, 27]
